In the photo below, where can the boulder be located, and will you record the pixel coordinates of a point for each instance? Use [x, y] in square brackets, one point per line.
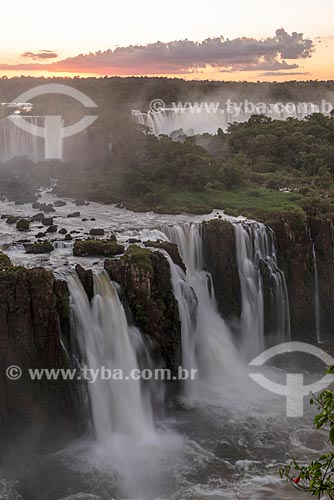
[59, 203]
[146, 283]
[23, 225]
[47, 221]
[12, 219]
[39, 247]
[103, 248]
[170, 248]
[96, 232]
[73, 215]
[38, 217]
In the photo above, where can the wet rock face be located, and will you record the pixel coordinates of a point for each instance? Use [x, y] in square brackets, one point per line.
[34, 321]
[91, 247]
[171, 249]
[86, 278]
[294, 254]
[322, 233]
[219, 252]
[39, 248]
[146, 283]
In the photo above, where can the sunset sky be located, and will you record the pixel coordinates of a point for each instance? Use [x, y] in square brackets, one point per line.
[215, 39]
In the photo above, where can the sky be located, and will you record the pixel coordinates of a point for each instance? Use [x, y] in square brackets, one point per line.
[215, 39]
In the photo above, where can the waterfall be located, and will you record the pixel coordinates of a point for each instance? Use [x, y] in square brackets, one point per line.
[208, 117]
[107, 340]
[316, 296]
[206, 339]
[255, 247]
[14, 141]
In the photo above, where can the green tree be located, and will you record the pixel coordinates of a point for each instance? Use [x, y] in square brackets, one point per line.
[317, 478]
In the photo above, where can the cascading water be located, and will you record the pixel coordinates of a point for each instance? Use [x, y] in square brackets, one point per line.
[316, 296]
[209, 118]
[106, 340]
[14, 141]
[255, 246]
[206, 339]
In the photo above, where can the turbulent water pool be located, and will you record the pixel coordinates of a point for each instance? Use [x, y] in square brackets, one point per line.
[124, 223]
[198, 451]
[226, 441]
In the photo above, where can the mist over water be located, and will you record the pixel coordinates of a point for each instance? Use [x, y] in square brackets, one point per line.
[225, 437]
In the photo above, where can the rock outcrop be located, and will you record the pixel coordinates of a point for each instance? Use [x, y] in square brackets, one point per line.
[35, 334]
[294, 254]
[102, 248]
[146, 283]
[322, 233]
[220, 261]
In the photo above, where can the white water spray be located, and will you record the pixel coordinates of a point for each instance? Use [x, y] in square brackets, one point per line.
[255, 247]
[106, 339]
[17, 142]
[206, 339]
[209, 117]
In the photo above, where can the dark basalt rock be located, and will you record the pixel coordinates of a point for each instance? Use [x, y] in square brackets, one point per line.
[38, 217]
[219, 253]
[146, 283]
[12, 219]
[47, 221]
[73, 215]
[96, 232]
[59, 203]
[40, 247]
[52, 229]
[86, 278]
[170, 248]
[47, 208]
[23, 225]
[34, 327]
[103, 248]
[5, 262]
[62, 231]
[294, 254]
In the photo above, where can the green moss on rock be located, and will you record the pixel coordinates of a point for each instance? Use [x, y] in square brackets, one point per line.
[5, 262]
[102, 248]
[23, 225]
[39, 247]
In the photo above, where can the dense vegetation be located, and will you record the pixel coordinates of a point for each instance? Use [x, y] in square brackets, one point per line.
[317, 478]
[256, 167]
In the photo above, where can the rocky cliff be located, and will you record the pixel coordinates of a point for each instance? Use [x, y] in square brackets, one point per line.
[35, 333]
[295, 238]
[220, 261]
[146, 283]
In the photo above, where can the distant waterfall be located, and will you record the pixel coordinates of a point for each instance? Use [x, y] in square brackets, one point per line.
[206, 339]
[316, 296]
[16, 142]
[106, 340]
[255, 247]
[208, 119]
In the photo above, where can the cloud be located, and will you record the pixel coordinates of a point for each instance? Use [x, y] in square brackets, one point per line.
[43, 54]
[284, 73]
[185, 56]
